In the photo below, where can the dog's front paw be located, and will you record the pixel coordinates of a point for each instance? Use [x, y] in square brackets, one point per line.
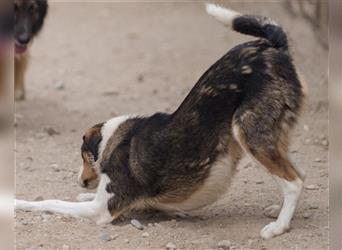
[273, 229]
[86, 197]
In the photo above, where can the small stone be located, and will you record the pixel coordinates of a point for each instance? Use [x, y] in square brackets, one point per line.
[307, 141]
[114, 237]
[24, 222]
[65, 247]
[145, 235]
[224, 244]
[272, 211]
[140, 78]
[135, 223]
[39, 198]
[171, 246]
[325, 142]
[55, 168]
[150, 224]
[105, 237]
[307, 215]
[259, 182]
[317, 160]
[311, 187]
[313, 207]
[51, 131]
[126, 241]
[59, 85]
[306, 128]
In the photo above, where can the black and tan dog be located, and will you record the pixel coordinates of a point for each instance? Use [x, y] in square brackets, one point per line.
[247, 102]
[29, 20]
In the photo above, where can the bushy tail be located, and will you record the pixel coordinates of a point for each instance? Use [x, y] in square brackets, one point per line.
[258, 26]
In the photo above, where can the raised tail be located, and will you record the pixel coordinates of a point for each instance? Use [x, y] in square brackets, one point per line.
[258, 26]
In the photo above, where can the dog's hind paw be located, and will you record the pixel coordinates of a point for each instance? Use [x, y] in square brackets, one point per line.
[86, 197]
[273, 229]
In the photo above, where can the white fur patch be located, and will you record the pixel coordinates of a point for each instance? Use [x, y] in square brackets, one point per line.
[225, 16]
[215, 186]
[95, 210]
[109, 128]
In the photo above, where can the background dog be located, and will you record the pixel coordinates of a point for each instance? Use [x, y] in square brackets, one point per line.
[248, 101]
[29, 20]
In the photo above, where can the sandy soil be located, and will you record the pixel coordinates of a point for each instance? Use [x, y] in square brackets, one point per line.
[94, 61]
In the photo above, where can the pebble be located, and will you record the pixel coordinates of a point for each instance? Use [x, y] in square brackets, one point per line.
[145, 235]
[39, 198]
[306, 128]
[307, 215]
[171, 246]
[224, 244]
[311, 187]
[105, 237]
[135, 223]
[317, 160]
[313, 207]
[126, 241]
[259, 182]
[272, 211]
[325, 142]
[307, 141]
[24, 222]
[65, 247]
[55, 168]
[59, 85]
[51, 131]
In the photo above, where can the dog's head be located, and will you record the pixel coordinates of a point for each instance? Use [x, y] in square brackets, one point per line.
[88, 175]
[6, 27]
[29, 19]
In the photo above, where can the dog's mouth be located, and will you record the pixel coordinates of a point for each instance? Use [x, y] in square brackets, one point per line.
[20, 48]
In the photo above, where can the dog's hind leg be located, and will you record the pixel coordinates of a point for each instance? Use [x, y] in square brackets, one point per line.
[273, 158]
[95, 210]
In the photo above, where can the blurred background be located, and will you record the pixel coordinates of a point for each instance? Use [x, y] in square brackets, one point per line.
[94, 61]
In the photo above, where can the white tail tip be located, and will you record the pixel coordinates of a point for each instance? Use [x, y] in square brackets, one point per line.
[225, 16]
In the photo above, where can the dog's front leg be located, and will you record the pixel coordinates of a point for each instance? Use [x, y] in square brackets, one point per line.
[92, 210]
[95, 210]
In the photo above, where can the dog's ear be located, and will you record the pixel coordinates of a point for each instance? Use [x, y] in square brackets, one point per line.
[92, 139]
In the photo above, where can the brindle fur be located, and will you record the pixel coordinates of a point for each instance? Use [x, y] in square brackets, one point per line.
[248, 100]
[30, 16]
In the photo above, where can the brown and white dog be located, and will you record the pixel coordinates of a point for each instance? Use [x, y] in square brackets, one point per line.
[247, 102]
[29, 20]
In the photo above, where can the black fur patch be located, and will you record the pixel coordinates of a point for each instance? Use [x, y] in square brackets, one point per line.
[29, 18]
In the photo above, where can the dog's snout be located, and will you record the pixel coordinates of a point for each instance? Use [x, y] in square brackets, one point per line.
[23, 38]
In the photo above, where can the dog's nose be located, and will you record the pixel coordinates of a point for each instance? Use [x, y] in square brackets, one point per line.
[85, 183]
[23, 39]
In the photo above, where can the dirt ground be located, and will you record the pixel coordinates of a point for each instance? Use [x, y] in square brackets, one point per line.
[98, 60]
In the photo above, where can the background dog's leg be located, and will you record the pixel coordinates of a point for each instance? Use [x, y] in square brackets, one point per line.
[273, 158]
[96, 210]
[21, 63]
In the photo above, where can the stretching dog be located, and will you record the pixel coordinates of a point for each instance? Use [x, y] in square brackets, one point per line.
[248, 101]
[29, 20]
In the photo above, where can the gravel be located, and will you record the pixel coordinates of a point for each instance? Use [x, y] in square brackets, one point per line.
[171, 246]
[224, 245]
